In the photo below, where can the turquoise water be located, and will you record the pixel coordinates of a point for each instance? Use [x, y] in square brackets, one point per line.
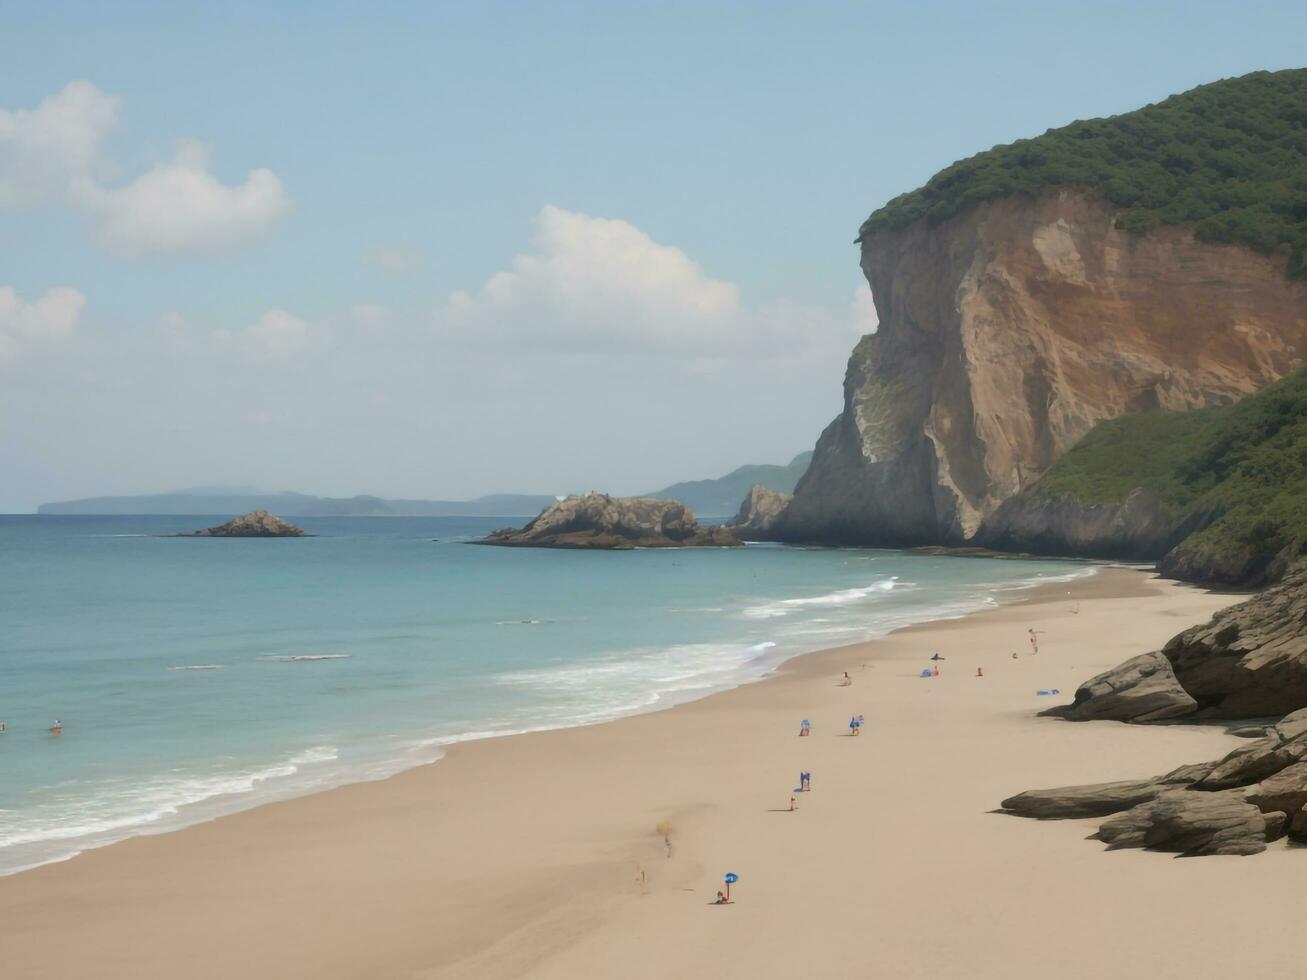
[199, 676]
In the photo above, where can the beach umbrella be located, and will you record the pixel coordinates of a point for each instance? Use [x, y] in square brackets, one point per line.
[730, 879]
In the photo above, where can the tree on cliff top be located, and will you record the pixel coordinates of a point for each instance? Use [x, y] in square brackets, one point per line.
[1230, 157]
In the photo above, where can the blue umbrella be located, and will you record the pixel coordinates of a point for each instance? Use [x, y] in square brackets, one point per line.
[731, 878]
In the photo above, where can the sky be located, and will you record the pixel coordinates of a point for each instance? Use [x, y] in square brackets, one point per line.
[439, 250]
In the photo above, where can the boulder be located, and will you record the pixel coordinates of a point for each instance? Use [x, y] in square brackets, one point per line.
[1247, 661]
[1250, 659]
[1142, 689]
[1098, 799]
[759, 512]
[599, 521]
[255, 524]
[1192, 823]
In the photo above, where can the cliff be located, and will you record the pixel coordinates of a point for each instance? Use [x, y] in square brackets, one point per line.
[1217, 495]
[597, 520]
[256, 524]
[1114, 266]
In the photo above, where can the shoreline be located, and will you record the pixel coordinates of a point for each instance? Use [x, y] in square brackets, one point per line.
[269, 782]
[521, 855]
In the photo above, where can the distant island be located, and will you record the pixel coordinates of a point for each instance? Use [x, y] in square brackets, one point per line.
[242, 501]
[256, 524]
[715, 498]
[721, 497]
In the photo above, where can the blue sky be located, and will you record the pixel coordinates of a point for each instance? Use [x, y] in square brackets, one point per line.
[411, 150]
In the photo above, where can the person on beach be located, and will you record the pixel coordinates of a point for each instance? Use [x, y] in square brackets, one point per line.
[846, 680]
[805, 782]
[793, 805]
[853, 725]
[721, 899]
[805, 728]
[1034, 640]
[979, 672]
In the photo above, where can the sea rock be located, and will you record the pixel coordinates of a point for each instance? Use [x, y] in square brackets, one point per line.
[1193, 823]
[759, 512]
[599, 521]
[1005, 334]
[1142, 689]
[256, 524]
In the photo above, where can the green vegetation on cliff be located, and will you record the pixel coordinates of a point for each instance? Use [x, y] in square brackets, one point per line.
[1235, 473]
[1230, 157]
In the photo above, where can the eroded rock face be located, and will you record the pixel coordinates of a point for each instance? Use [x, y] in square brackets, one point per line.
[1247, 661]
[1005, 334]
[255, 524]
[1142, 689]
[1233, 806]
[1193, 824]
[759, 512]
[597, 520]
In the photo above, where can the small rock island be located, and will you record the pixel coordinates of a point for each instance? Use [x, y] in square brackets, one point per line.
[599, 521]
[255, 524]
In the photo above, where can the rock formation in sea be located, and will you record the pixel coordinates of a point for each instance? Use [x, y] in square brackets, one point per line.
[256, 524]
[597, 520]
[1248, 661]
[1237, 805]
[758, 513]
[1005, 334]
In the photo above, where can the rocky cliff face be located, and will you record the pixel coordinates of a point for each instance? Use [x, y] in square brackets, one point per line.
[1005, 334]
[597, 520]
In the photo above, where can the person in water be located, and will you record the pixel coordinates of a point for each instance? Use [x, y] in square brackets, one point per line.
[57, 728]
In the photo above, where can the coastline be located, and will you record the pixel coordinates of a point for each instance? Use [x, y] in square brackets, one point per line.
[519, 855]
[655, 675]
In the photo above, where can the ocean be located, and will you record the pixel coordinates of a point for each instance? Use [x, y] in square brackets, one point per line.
[195, 677]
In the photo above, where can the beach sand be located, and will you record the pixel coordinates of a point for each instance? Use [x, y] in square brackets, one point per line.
[523, 856]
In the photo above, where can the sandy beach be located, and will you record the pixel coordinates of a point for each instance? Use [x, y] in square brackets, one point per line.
[539, 855]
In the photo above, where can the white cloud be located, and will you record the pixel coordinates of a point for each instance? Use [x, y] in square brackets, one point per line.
[53, 149]
[27, 326]
[275, 336]
[596, 284]
[603, 286]
[394, 260]
[53, 152]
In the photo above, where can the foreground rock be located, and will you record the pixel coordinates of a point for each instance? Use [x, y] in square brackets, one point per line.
[759, 512]
[256, 524]
[1237, 805]
[597, 520]
[1247, 661]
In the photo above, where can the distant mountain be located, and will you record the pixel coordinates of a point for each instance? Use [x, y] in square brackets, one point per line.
[721, 497]
[216, 500]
